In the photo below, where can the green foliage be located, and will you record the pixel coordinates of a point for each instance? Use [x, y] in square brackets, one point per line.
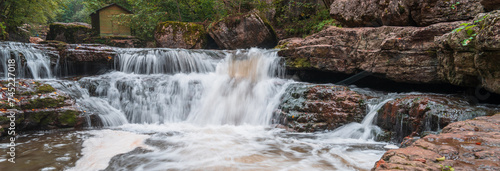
[14, 13]
[454, 6]
[469, 30]
[3, 33]
[301, 19]
[447, 168]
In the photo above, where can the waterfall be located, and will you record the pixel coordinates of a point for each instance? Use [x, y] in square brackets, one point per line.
[166, 61]
[201, 87]
[30, 62]
[365, 130]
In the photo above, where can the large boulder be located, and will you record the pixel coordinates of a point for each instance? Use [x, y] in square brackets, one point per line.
[472, 60]
[355, 13]
[402, 54]
[427, 12]
[70, 32]
[308, 107]
[243, 31]
[416, 115]
[466, 145]
[173, 34]
[360, 13]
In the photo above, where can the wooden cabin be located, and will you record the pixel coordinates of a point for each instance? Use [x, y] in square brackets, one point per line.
[103, 23]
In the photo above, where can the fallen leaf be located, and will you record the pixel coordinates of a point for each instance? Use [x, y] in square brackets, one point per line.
[441, 158]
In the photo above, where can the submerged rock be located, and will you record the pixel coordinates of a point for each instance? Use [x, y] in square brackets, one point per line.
[243, 31]
[173, 34]
[417, 115]
[40, 107]
[308, 107]
[466, 145]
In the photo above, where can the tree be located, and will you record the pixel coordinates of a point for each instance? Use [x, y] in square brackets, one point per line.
[14, 13]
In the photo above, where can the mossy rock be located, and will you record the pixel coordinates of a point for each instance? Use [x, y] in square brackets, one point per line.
[42, 103]
[69, 32]
[188, 35]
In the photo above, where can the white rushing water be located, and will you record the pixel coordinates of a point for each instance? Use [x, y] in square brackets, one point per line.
[30, 62]
[166, 109]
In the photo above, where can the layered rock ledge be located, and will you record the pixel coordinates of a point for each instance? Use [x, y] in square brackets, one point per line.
[466, 145]
[433, 54]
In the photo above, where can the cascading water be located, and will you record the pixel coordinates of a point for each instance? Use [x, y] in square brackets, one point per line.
[31, 62]
[168, 109]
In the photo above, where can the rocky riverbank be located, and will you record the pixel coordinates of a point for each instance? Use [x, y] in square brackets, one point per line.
[466, 145]
[39, 107]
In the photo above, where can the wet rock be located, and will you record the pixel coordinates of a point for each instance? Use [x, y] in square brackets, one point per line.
[467, 59]
[80, 59]
[40, 107]
[243, 31]
[308, 107]
[402, 54]
[173, 34]
[466, 145]
[70, 32]
[417, 115]
[363, 13]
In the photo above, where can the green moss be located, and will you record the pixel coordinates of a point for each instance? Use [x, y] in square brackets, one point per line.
[42, 118]
[44, 103]
[192, 33]
[68, 118]
[281, 46]
[299, 63]
[45, 89]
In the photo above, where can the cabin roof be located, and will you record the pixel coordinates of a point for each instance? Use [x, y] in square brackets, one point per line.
[110, 5]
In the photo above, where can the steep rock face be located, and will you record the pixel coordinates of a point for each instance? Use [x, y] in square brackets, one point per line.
[467, 59]
[355, 13]
[69, 32]
[244, 31]
[307, 107]
[40, 107]
[172, 34]
[426, 12]
[415, 115]
[403, 54]
[466, 145]
[361, 13]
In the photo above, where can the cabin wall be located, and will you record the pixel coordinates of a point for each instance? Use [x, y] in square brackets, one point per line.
[108, 27]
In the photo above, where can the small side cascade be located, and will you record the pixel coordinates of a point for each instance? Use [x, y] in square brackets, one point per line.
[30, 62]
[365, 130]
